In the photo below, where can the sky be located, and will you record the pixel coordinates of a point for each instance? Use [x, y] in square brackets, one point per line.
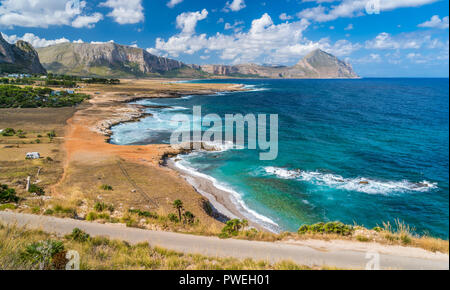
[380, 38]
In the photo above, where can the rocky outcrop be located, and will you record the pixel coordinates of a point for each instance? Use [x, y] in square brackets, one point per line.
[105, 59]
[317, 64]
[19, 58]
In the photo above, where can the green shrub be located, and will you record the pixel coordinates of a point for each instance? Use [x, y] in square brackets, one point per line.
[378, 229]
[328, 228]
[41, 254]
[233, 227]
[78, 236]
[106, 187]
[8, 206]
[7, 194]
[8, 132]
[99, 206]
[49, 211]
[36, 190]
[362, 238]
[189, 217]
[92, 216]
[173, 217]
[144, 213]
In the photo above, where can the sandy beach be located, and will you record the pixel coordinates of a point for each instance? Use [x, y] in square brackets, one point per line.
[86, 146]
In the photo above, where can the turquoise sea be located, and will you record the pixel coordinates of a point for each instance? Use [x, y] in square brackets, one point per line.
[365, 151]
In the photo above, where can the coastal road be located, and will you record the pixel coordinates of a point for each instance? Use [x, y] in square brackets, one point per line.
[310, 253]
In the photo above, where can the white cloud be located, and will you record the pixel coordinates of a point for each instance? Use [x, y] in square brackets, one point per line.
[235, 5]
[125, 11]
[87, 21]
[264, 42]
[412, 40]
[45, 13]
[173, 3]
[436, 22]
[284, 17]
[236, 27]
[34, 40]
[349, 27]
[187, 21]
[354, 8]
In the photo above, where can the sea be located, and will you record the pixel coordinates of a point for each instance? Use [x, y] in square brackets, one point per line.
[364, 151]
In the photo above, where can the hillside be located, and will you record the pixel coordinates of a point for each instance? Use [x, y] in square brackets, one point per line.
[19, 58]
[109, 60]
[317, 64]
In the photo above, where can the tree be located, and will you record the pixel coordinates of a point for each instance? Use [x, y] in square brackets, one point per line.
[178, 205]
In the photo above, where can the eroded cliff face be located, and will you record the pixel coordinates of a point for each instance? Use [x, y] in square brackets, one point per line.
[19, 58]
[317, 64]
[106, 59]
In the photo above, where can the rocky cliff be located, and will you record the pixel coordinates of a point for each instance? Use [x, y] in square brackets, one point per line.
[317, 64]
[106, 60]
[19, 58]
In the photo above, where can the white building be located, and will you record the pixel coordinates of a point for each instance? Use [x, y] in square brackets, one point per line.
[33, 155]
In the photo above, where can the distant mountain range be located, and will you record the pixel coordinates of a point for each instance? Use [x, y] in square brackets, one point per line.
[317, 64]
[119, 61]
[110, 60]
[19, 58]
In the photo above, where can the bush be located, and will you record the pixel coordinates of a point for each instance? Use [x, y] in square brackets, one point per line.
[144, 213]
[189, 217]
[233, 227]
[41, 254]
[8, 132]
[36, 190]
[92, 216]
[78, 236]
[8, 206]
[328, 228]
[106, 187]
[7, 194]
[99, 206]
[173, 217]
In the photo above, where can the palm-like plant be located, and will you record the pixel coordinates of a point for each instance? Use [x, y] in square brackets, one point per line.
[178, 205]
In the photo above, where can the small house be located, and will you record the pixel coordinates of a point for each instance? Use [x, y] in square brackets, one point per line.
[33, 155]
[70, 92]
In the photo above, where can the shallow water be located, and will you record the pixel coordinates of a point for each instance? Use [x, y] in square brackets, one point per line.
[363, 151]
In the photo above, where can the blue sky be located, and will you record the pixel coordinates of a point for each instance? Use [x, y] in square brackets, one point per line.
[391, 38]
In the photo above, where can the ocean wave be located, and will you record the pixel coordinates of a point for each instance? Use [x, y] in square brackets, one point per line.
[360, 184]
[221, 146]
[235, 196]
[254, 88]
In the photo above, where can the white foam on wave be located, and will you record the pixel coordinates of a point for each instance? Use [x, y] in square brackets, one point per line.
[221, 146]
[236, 198]
[359, 184]
[253, 88]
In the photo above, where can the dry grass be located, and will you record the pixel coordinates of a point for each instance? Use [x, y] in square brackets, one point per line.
[104, 254]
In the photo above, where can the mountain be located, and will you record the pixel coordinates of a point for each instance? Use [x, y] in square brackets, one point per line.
[317, 64]
[110, 60]
[19, 58]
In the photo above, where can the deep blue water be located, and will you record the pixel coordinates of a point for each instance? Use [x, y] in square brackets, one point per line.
[365, 151]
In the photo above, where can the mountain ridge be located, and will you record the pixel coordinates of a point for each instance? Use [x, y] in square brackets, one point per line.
[19, 58]
[316, 64]
[106, 60]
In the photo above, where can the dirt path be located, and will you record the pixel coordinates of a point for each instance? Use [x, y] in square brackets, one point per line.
[348, 255]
